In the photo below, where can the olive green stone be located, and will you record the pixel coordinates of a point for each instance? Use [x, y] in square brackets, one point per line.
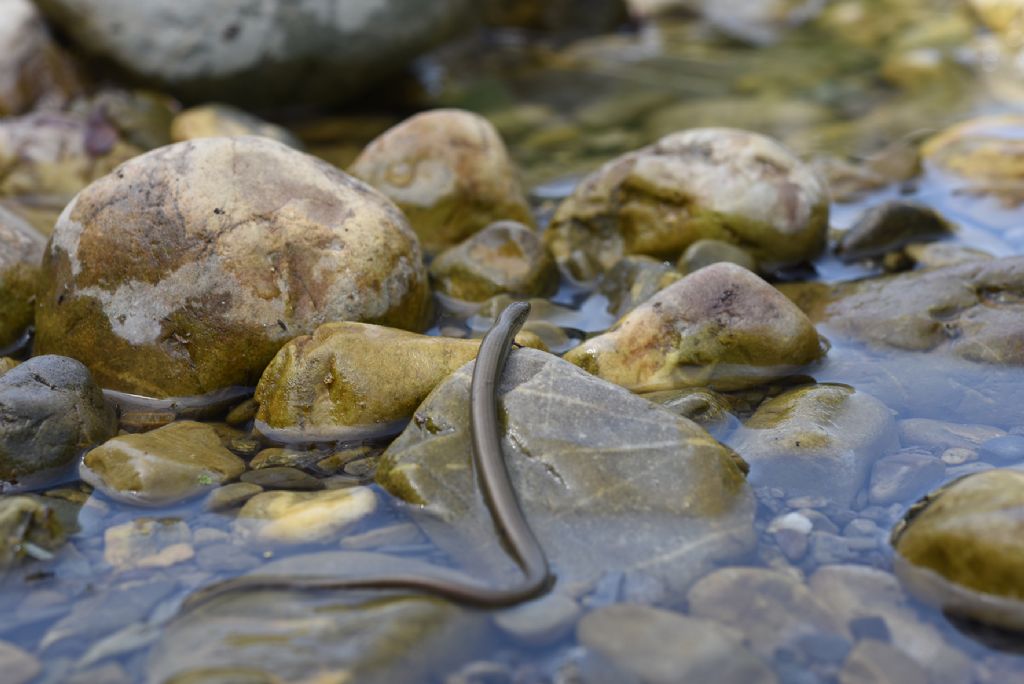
[819, 440]
[279, 477]
[353, 378]
[721, 327]
[187, 269]
[967, 535]
[505, 257]
[167, 465]
[719, 183]
[609, 481]
[21, 251]
[449, 171]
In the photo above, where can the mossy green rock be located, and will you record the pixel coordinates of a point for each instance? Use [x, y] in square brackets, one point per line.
[963, 548]
[972, 311]
[449, 172]
[721, 327]
[50, 411]
[21, 251]
[719, 183]
[609, 481]
[351, 379]
[342, 636]
[161, 467]
[505, 257]
[189, 267]
[819, 440]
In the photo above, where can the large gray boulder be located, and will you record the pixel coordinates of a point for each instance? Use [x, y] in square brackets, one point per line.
[610, 482]
[259, 52]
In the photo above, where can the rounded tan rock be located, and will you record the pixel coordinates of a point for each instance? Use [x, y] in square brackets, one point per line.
[719, 183]
[449, 172]
[720, 327]
[186, 269]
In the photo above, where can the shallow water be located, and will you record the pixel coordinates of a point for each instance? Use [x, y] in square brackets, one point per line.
[578, 105]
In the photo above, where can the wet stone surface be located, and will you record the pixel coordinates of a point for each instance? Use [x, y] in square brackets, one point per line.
[776, 242]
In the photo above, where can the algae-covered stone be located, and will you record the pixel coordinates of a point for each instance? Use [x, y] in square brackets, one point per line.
[506, 257]
[633, 280]
[819, 440]
[655, 646]
[21, 251]
[47, 157]
[7, 363]
[721, 327]
[189, 267]
[162, 467]
[719, 183]
[351, 379]
[32, 66]
[963, 548]
[889, 226]
[303, 517]
[706, 252]
[449, 172]
[972, 311]
[50, 410]
[269, 54]
[222, 120]
[609, 481]
[26, 521]
[340, 636]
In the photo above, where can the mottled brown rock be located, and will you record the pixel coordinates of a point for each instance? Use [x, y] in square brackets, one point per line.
[719, 183]
[449, 172]
[188, 268]
[720, 327]
[506, 257]
[21, 251]
[352, 378]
